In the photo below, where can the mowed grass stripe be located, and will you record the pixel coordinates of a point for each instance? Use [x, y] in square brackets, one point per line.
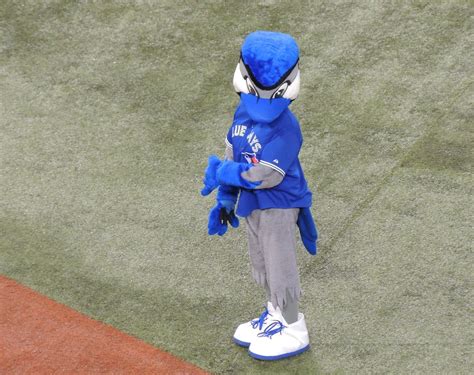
[362, 207]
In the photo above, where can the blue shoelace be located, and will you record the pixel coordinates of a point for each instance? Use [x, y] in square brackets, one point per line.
[272, 329]
[261, 320]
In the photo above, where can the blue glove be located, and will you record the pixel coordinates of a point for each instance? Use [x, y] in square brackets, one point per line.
[225, 173]
[308, 232]
[210, 179]
[229, 173]
[229, 195]
[220, 214]
[223, 212]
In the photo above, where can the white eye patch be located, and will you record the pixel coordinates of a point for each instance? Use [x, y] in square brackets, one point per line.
[239, 82]
[293, 89]
[288, 89]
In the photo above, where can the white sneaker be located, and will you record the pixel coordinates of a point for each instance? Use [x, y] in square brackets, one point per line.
[247, 332]
[280, 340]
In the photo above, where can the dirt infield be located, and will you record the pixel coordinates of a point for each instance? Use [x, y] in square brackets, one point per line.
[38, 336]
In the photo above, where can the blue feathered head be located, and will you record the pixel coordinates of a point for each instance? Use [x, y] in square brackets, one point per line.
[267, 76]
[269, 55]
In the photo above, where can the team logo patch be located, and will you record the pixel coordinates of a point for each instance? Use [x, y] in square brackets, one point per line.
[251, 157]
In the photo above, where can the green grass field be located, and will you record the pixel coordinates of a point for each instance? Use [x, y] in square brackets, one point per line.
[108, 111]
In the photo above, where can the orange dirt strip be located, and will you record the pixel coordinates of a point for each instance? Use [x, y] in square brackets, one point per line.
[40, 336]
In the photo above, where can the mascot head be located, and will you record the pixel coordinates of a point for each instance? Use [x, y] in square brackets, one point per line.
[267, 76]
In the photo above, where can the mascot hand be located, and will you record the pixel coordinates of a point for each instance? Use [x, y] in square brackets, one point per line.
[230, 173]
[220, 215]
[210, 180]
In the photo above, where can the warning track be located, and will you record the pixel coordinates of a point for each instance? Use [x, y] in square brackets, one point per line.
[39, 335]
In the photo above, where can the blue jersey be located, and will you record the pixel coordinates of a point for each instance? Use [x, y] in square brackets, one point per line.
[275, 145]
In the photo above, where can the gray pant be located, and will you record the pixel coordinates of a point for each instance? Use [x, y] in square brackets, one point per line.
[272, 249]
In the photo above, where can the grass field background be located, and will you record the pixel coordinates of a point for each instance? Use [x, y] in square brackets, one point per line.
[108, 111]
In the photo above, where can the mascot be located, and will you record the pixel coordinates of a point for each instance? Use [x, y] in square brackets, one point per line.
[261, 171]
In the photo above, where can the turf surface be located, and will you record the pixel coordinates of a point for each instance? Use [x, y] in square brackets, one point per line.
[108, 111]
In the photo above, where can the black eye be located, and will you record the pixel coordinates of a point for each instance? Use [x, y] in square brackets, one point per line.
[280, 91]
[250, 87]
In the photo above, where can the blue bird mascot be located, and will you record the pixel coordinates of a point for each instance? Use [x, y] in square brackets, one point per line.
[261, 171]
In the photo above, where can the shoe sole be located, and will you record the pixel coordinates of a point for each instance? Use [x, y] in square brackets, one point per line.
[277, 357]
[241, 343]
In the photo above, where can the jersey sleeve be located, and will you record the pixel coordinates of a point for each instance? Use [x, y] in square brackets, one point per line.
[280, 153]
[228, 138]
